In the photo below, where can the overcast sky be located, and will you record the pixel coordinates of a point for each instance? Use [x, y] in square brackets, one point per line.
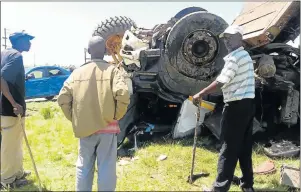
[62, 29]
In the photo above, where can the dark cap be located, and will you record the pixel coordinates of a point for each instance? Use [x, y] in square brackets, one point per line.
[16, 35]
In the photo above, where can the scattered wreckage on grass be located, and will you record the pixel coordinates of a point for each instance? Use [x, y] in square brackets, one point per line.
[172, 61]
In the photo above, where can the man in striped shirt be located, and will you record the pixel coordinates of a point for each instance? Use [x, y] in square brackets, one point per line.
[237, 82]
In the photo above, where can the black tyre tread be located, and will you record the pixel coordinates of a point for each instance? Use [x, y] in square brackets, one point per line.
[113, 26]
[172, 21]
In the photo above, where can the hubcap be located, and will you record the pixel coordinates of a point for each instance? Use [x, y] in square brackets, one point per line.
[200, 47]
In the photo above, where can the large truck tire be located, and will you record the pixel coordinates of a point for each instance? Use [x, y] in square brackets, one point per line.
[193, 53]
[113, 26]
[184, 12]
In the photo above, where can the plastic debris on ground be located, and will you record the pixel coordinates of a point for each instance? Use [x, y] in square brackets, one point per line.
[126, 161]
[134, 158]
[290, 176]
[283, 149]
[123, 162]
[161, 158]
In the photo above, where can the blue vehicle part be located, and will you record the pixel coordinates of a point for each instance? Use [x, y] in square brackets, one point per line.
[43, 82]
[149, 128]
[56, 81]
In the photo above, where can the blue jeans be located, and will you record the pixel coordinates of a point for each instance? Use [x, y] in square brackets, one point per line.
[102, 147]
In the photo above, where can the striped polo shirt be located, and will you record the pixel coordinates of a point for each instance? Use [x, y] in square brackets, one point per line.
[237, 76]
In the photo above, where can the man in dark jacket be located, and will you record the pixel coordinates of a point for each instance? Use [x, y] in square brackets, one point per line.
[13, 104]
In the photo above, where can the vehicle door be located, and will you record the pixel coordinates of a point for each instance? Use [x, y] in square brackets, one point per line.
[36, 83]
[57, 77]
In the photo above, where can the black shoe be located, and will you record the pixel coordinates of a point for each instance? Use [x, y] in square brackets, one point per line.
[16, 184]
[236, 180]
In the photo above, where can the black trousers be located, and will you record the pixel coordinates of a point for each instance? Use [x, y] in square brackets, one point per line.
[236, 138]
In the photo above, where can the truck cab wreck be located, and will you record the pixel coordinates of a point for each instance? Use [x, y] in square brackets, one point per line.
[172, 61]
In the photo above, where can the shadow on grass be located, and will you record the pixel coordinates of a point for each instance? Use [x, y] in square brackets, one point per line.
[40, 100]
[288, 189]
[30, 187]
[207, 142]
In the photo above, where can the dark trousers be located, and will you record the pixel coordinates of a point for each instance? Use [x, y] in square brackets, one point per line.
[236, 138]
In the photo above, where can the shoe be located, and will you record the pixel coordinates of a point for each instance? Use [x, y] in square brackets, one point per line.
[236, 180]
[250, 189]
[26, 173]
[16, 184]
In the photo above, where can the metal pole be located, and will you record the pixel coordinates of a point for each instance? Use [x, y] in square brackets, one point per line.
[85, 50]
[5, 37]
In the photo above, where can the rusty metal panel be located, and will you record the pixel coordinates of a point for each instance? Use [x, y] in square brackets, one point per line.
[248, 6]
[263, 21]
[263, 10]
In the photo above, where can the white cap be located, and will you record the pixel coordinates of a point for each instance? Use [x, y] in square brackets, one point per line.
[233, 29]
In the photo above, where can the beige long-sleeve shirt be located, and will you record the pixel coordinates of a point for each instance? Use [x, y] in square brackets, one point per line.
[94, 96]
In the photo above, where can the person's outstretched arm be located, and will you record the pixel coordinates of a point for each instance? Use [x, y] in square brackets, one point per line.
[121, 94]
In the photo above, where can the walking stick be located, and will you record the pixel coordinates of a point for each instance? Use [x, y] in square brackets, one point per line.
[192, 176]
[31, 156]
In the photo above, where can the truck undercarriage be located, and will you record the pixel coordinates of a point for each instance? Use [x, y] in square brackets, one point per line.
[167, 64]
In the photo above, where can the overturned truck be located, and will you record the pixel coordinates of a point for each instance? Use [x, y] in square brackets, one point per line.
[172, 61]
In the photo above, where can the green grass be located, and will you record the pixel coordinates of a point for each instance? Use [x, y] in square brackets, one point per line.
[55, 152]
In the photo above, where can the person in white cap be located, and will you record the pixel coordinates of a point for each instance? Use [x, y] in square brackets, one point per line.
[237, 81]
[12, 104]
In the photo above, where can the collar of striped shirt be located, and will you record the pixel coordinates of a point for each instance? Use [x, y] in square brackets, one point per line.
[233, 52]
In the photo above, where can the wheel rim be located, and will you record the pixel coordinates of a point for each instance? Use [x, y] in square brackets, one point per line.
[200, 47]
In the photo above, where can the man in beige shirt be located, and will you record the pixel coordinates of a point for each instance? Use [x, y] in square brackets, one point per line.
[94, 98]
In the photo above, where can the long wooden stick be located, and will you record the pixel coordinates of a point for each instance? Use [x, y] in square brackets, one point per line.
[194, 142]
[31, 156]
